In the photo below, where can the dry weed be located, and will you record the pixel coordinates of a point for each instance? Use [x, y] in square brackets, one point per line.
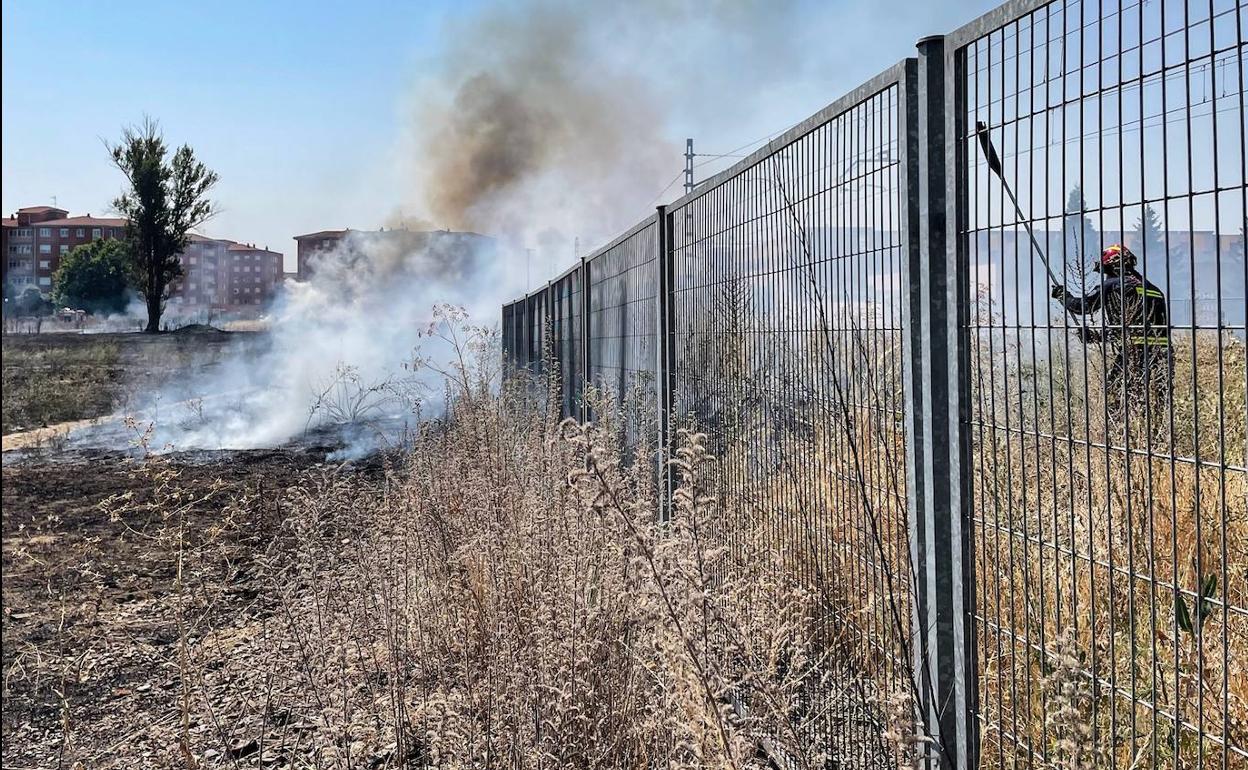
[509, 594]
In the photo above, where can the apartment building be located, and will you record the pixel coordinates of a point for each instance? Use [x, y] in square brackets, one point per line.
[36, 237]
[218, 273]
[224, 275]
[312, 247]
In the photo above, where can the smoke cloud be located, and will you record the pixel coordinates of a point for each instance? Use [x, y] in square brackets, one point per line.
[539, 124]
[339, 351]
[533, 130]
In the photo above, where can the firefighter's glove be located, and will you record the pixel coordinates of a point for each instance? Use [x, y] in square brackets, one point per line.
[1058, 293]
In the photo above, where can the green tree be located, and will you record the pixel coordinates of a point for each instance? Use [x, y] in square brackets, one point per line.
[1078, 232]
[93, 277]
[1150, 236]
[166, 198]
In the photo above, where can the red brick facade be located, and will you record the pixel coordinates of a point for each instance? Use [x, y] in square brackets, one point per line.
[218, 274]
[36, 237]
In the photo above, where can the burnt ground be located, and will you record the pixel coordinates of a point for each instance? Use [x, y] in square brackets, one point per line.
[90, 600]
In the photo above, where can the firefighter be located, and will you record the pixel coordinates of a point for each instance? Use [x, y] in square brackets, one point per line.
[1134, 325]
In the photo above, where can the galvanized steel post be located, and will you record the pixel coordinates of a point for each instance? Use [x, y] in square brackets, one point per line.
[940, 493]
[584, 338]
[665, 365]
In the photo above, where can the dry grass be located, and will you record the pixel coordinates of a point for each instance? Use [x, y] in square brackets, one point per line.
[507, 595]
[1118, 548]
[813, 471]
[1111, 553]
[52, 385]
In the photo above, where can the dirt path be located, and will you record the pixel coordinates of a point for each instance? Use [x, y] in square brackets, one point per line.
[48, 436]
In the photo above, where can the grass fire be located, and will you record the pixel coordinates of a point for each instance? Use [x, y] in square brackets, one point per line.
[656, 385]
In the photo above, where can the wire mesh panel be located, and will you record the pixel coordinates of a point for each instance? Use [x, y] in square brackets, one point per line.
[623, 286]
[536, 326]
[787, 289]
[566, 338]
[1106, 246]
[508, 334]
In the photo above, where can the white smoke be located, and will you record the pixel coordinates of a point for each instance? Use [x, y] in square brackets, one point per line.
[338, 351]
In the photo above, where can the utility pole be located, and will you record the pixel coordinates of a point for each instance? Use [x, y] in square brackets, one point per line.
[688, 166]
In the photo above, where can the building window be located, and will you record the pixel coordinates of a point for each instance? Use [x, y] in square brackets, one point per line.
[194, 259]
[64, 248]
[194, 286]
[45, 281]
[45, 232]
[64, 232]
[45, 264]
[96, 233]
[22, 232]
[23, 248]
[45, 248]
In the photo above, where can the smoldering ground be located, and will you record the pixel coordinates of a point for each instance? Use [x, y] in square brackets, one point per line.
[348, 351]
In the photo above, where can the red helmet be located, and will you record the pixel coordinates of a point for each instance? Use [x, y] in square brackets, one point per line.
[1116, 256]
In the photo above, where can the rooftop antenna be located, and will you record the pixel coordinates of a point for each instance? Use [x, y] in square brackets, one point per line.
[689, 165]
[53, 201]
[528, 275]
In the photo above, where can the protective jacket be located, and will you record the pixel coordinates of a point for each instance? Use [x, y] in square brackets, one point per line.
[1133, 311]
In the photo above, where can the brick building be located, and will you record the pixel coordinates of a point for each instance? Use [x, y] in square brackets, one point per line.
[220, 274]
[36, 237]
[309, 246]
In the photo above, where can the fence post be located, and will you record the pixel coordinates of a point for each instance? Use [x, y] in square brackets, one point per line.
[584, 338]
[939, 496]
[665, 365]
[550, 341]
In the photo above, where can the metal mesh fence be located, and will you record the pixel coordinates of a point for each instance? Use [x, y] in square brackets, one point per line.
[623, 290]
[788, 279]
[567, 338]
[1108, 423]
[1013, 472]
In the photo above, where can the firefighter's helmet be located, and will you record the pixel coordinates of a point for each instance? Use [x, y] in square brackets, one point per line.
[1117, 258]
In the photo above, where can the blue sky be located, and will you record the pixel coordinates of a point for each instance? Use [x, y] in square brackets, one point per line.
[303, 107]
[293, 104]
